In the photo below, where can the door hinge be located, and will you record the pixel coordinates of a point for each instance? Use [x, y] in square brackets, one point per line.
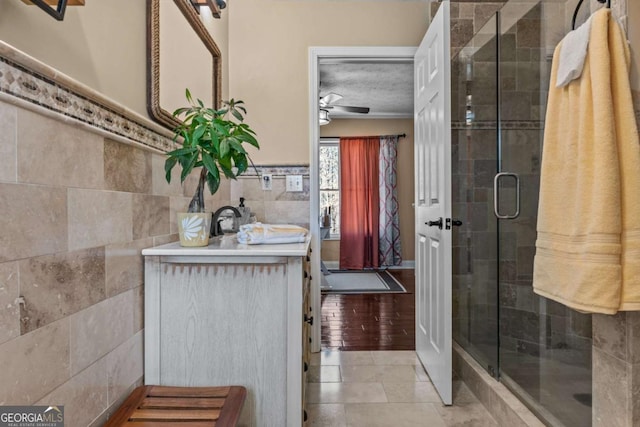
[449, 222]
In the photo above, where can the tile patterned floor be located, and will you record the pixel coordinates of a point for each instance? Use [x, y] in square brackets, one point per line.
[383, 388]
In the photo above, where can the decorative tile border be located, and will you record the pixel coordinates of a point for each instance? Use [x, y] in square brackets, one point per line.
[504, 125]
[23, 77]
[278, 170]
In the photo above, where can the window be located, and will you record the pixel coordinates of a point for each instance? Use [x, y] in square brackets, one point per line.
[330, 185]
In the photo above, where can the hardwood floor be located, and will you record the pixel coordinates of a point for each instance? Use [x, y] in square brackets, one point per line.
[371, 321]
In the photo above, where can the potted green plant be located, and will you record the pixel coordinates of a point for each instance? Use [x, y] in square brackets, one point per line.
[213, 140]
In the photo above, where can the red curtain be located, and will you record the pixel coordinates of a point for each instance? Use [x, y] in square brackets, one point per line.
[359, 202]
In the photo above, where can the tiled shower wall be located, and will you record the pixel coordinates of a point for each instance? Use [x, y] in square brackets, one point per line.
[470, 162]
[616, 346]
[467, 17]
[529, 324]
[525, 66]
[76, 209]
[616, 339]
[524, 70]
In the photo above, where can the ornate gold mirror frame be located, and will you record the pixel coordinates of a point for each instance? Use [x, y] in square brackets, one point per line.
[178, 58]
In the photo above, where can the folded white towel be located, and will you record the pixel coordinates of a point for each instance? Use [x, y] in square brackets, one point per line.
[258, 233]
[573, 53]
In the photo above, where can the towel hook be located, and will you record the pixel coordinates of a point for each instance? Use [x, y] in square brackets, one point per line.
[575, 12]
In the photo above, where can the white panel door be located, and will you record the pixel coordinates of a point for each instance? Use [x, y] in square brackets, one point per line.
[432, 122]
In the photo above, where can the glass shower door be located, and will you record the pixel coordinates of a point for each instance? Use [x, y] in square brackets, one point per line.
[545, 348]
[538, 348]
[474, 164]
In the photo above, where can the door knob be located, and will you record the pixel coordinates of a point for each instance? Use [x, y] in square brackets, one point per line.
[437, 223]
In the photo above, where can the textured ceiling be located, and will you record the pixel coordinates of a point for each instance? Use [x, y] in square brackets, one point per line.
[385, 87]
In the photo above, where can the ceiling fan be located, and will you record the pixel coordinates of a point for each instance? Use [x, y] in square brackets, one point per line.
[327, 103]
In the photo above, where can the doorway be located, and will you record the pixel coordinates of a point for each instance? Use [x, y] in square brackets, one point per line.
[343, 127]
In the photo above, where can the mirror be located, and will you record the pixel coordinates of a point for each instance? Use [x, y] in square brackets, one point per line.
[172, 26]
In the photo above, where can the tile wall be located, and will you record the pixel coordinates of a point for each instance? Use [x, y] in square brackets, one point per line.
[467, 17]
[77, 205]
[275, 205]
[616, 339]
[76, 208]
[525, 66]
[524, 72]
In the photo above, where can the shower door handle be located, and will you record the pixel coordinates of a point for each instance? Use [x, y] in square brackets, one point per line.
[496, 195]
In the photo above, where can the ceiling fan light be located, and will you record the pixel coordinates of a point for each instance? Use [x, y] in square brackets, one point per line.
[324, 118]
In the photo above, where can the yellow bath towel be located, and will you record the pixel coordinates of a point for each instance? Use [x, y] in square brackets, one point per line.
[588, 247]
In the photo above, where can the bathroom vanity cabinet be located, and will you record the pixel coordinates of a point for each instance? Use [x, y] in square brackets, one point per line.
[231, 314]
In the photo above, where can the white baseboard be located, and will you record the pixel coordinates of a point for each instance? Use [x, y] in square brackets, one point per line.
[332, 265]
[406, 264]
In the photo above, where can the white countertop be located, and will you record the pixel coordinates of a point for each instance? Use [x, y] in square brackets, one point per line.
[229, 246]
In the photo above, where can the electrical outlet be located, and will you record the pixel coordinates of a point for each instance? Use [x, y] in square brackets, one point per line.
[267, 181]
[294, 183]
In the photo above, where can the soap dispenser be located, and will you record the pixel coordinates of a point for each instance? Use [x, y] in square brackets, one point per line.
[245, 214]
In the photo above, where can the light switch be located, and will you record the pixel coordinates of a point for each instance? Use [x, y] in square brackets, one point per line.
[294, 183]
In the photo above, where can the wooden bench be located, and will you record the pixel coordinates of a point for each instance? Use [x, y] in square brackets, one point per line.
[150, 406]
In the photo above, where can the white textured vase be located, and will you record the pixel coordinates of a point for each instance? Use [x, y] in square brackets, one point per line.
[193, 228]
